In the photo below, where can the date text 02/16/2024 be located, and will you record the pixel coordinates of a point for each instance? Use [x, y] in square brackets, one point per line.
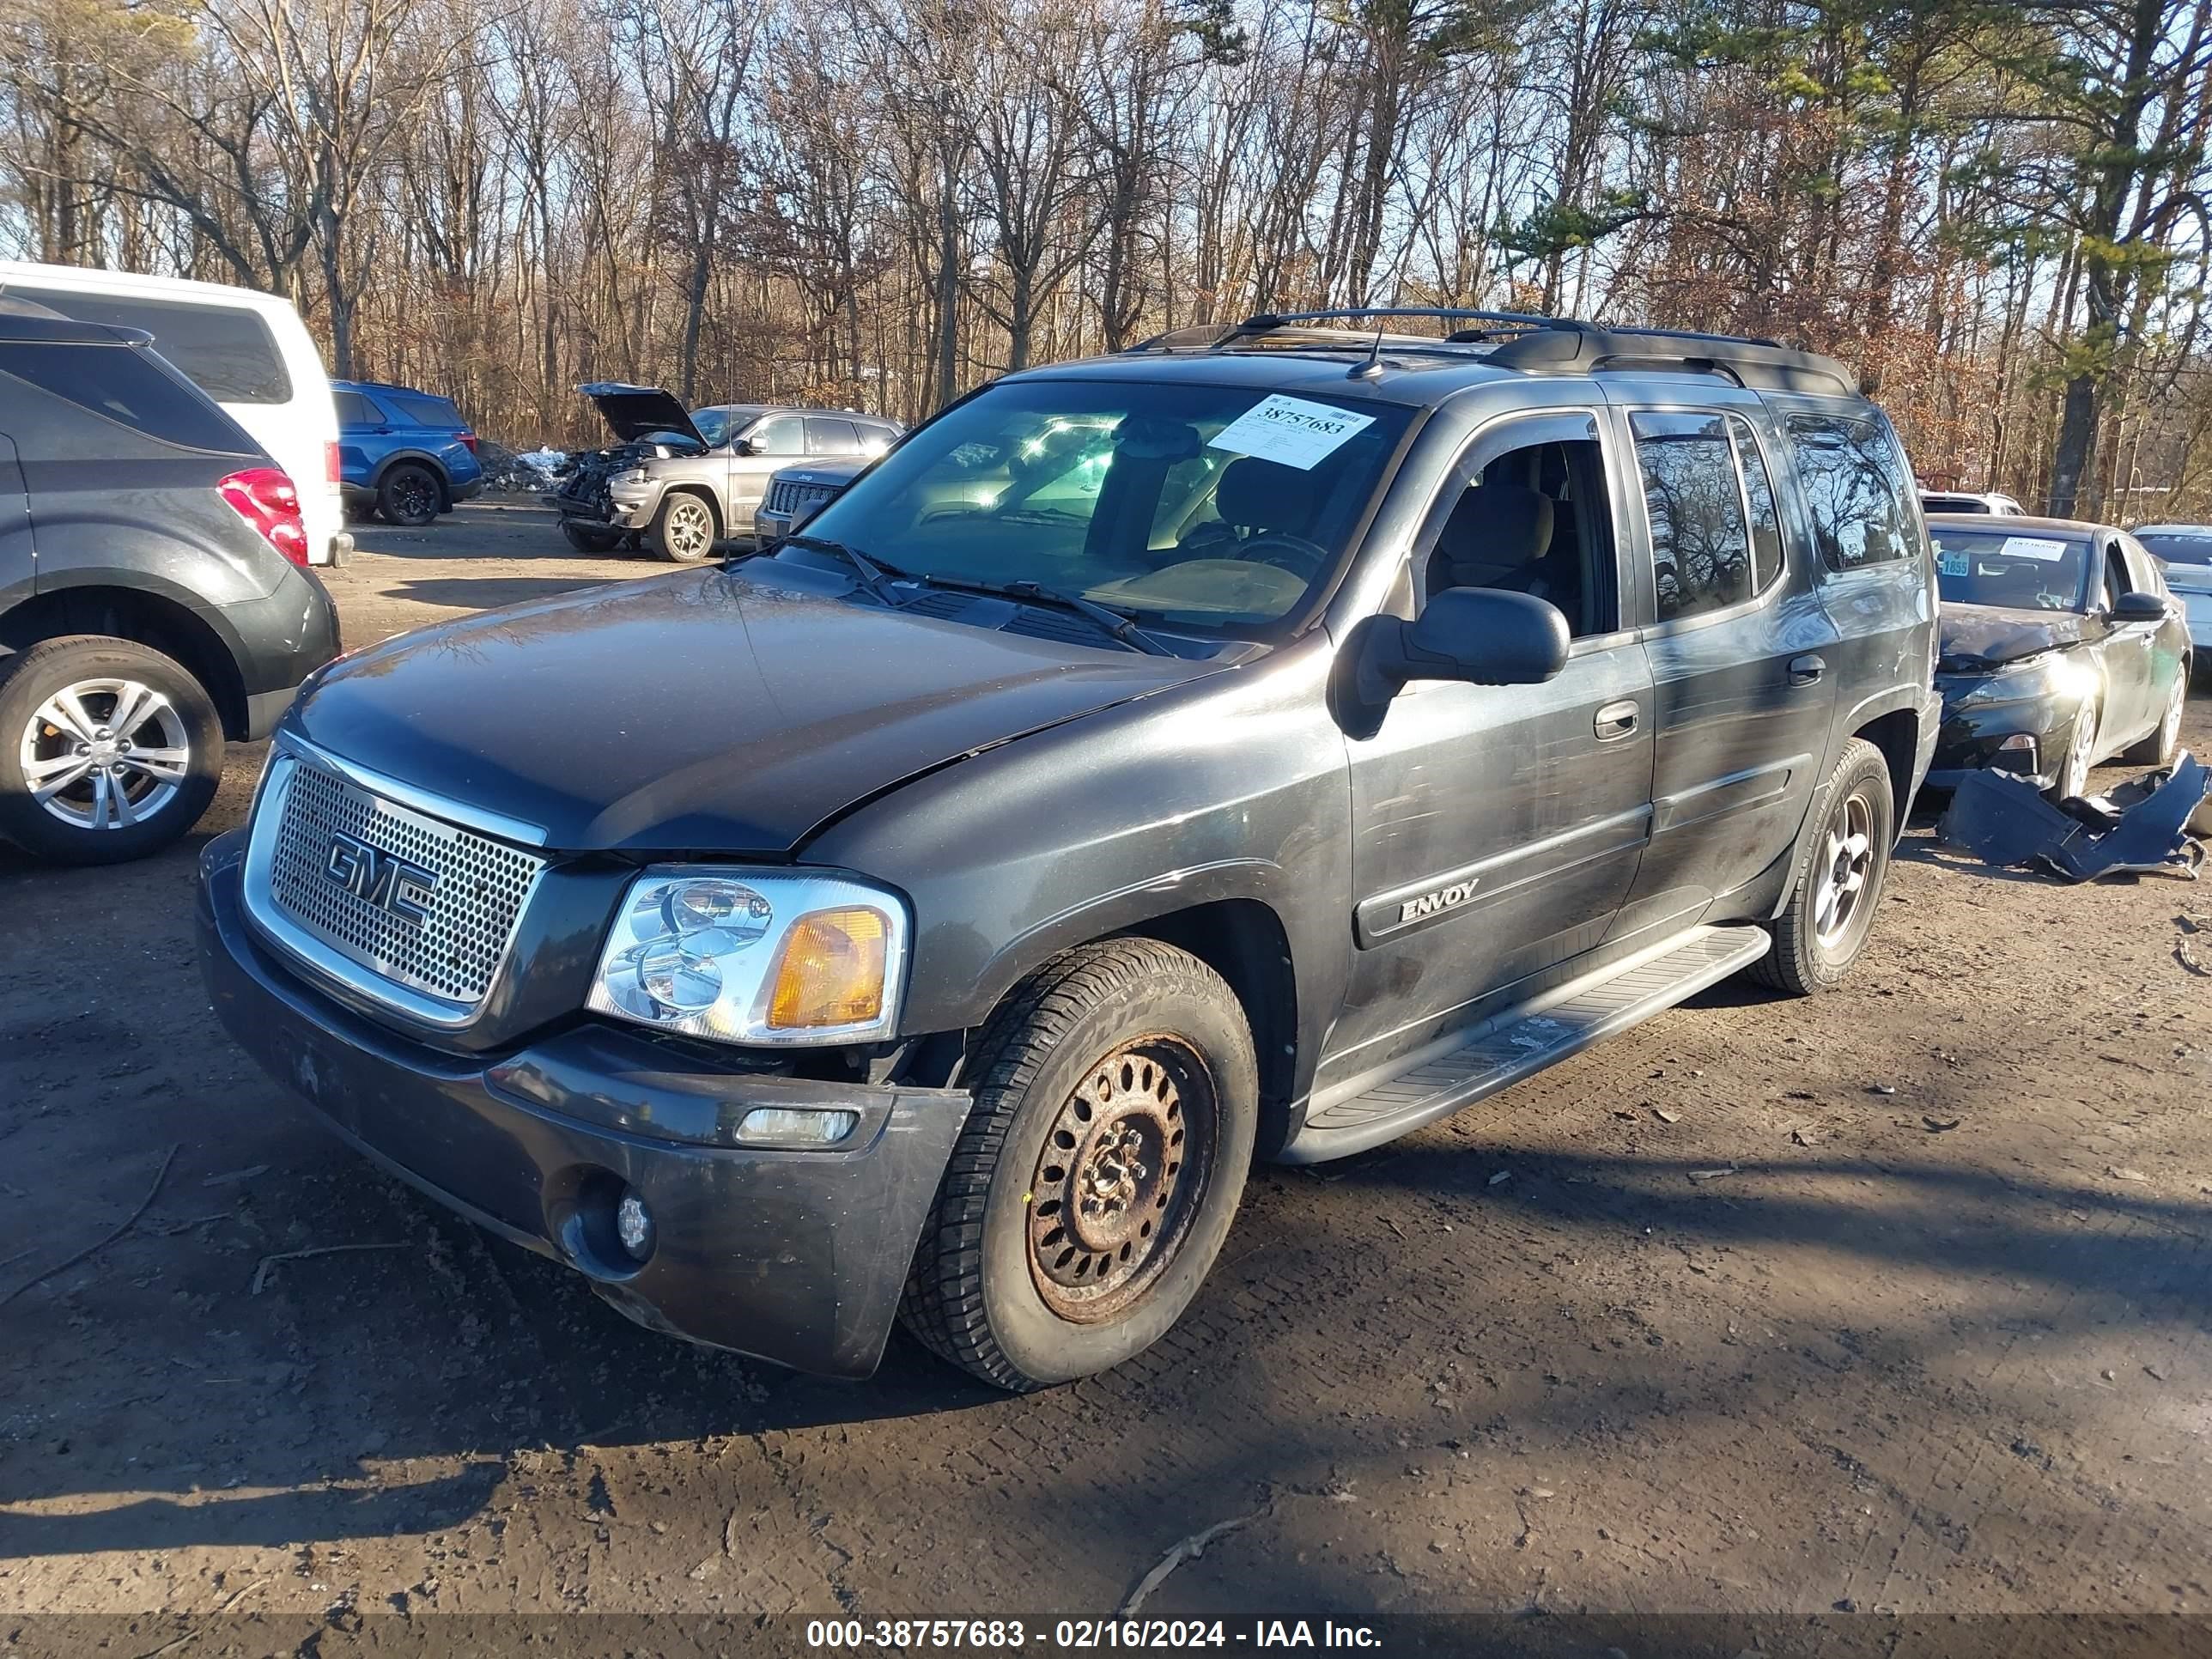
[1078, 1635]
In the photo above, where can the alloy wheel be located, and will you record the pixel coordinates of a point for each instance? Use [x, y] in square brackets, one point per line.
[688, 528]
[1846, 861]
[2169, 729]
[1120, 1177]
[415, 497]
[105, 754]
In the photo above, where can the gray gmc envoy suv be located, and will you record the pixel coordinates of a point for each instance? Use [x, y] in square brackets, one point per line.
[1259, 744]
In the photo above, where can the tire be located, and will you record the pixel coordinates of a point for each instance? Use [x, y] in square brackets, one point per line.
[2163, 746]
[2072, 777]
[1814, 950]
[586, 540]
[1130, 1062]
[684, 530]
[56, 699]
[409, 494]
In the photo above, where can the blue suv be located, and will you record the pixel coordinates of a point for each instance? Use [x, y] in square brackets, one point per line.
[403, 453]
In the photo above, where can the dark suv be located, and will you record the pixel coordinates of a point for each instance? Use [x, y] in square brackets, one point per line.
[154, 593]
[1261, 743]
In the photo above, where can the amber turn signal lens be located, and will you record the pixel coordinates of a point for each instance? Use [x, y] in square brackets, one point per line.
[831, 972]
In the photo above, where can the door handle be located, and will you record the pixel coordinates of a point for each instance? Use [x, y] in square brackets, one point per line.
[1806, 670]
[1615, 720]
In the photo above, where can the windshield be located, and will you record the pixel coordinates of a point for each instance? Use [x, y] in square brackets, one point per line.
[712, 424]
[2178, 547]
[1201, 507]
[2024, 572]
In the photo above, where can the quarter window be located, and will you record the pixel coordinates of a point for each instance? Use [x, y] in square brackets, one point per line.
[1694, 497]
[1856, 487]
[121, 384]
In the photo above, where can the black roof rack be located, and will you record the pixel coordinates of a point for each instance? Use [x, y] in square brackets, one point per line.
[1526, 341]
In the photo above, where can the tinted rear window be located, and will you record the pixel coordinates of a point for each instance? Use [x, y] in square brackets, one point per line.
[124, 386]
[354, 409]
[1857, 489]
[227, 349]
[424, 409]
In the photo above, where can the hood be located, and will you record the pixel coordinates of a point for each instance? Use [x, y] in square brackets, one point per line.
[1976, 637]
[836, 471]
[632, 412]
[725, 711]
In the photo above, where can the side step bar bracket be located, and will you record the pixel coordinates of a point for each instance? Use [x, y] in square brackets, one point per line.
[1520, 1042]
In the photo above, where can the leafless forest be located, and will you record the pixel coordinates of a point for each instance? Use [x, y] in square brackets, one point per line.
[1996, 210]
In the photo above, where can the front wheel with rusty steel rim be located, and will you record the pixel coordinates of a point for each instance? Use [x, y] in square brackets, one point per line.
[1837, 884]
[1114, 1190]
[109, 750]
[684, 530]
[1116, 1103]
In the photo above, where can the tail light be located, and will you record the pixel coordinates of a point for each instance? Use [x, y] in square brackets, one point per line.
[331, 474]
[469, 439]
[265, 498]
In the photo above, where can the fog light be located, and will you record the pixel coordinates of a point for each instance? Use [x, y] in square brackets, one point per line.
[782, 1126]
[634, 1225]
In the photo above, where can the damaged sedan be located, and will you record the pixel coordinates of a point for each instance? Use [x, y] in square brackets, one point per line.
[2061, 648]
[678, 482]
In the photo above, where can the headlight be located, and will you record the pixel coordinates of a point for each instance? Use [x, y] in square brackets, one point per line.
[755, 956]
[2053, 674]
[635, 476]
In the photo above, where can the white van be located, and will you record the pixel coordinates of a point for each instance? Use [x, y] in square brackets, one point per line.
[249, 351]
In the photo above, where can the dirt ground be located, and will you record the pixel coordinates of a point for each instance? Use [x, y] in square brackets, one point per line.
[1894, 1302]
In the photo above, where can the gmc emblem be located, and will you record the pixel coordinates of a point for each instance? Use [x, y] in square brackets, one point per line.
[381, 878]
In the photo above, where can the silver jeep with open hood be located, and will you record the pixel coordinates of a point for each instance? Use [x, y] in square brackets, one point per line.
[678, 482]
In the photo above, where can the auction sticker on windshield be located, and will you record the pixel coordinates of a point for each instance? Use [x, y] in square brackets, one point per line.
[2032, 547]
[1289, 430]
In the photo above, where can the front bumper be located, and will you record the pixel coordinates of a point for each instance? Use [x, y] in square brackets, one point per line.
[1972, 735]
[631, 506]
[797, 1257]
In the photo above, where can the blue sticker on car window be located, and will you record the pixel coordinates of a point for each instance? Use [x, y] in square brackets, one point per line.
[1950, 564]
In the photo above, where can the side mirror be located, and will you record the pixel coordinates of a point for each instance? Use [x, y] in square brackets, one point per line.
[1483, 635]
[2139, 608]
[743, 446]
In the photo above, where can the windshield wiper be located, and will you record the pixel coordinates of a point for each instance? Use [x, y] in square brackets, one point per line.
[873, 575]
[1122, 629]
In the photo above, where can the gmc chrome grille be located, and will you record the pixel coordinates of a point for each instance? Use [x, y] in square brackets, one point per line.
[788, 496]
[424, 904]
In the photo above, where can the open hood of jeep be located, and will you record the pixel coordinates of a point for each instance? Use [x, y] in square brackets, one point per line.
[709, 711]
[1977, 636]
[632, 412]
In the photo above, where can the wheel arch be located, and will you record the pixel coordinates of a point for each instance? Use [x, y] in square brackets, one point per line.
[1238, 934]
[700, 490]
[1896, 735]
[1243, 940]
[422, 458]
[144, 618]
